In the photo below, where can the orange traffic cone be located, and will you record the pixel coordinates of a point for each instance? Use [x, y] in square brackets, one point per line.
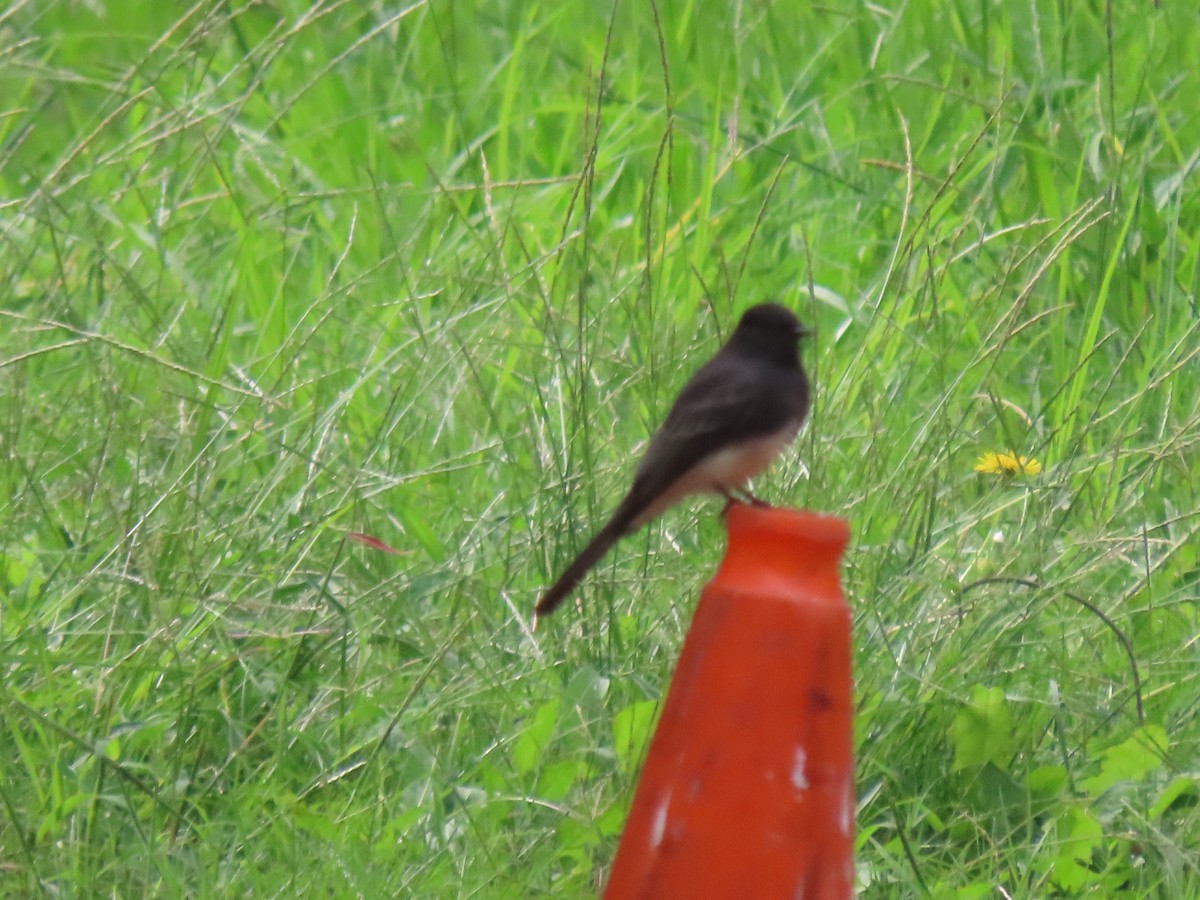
[748, 786]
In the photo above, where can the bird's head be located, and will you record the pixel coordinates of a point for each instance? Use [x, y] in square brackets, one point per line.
[769, 330]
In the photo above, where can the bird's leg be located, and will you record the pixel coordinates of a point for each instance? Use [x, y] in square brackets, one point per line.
[746, 497]
[738, 495]
[729, 499]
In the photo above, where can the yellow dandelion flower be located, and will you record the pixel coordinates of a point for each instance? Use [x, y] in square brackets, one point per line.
[1007, 464]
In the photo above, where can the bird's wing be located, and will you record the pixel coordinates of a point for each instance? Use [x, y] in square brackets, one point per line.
[728, 399]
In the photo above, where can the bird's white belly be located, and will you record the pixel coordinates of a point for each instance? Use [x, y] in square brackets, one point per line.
[721, 472]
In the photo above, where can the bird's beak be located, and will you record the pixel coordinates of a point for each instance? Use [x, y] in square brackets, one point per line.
[803, 331]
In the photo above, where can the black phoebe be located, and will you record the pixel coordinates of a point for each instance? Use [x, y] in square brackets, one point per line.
[738, 412]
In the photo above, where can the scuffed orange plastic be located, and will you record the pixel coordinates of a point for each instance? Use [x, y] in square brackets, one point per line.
[748, 786]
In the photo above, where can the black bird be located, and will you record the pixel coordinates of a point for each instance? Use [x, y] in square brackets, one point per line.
[735, 415]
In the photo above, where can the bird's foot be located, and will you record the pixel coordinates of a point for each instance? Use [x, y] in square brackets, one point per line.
[739, 495]
[746, 497]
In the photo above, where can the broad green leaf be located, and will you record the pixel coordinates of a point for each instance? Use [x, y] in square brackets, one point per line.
[982, 730]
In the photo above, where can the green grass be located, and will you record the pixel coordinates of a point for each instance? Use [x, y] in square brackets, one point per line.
[275, 273]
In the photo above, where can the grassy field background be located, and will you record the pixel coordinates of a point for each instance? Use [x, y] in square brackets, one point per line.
[278, 272]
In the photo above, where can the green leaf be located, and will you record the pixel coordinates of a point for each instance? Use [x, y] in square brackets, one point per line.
[1184, 785]
[527, 748]
[982, 730]
[631, 732]
[1048, 781]
[556, 779]
[612, 820]
[1079, 836]
[1129, 761]
[417, 528]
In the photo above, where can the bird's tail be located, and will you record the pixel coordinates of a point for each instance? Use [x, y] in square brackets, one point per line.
[588, 557]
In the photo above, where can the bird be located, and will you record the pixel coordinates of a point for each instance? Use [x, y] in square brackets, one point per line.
[738, 412]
